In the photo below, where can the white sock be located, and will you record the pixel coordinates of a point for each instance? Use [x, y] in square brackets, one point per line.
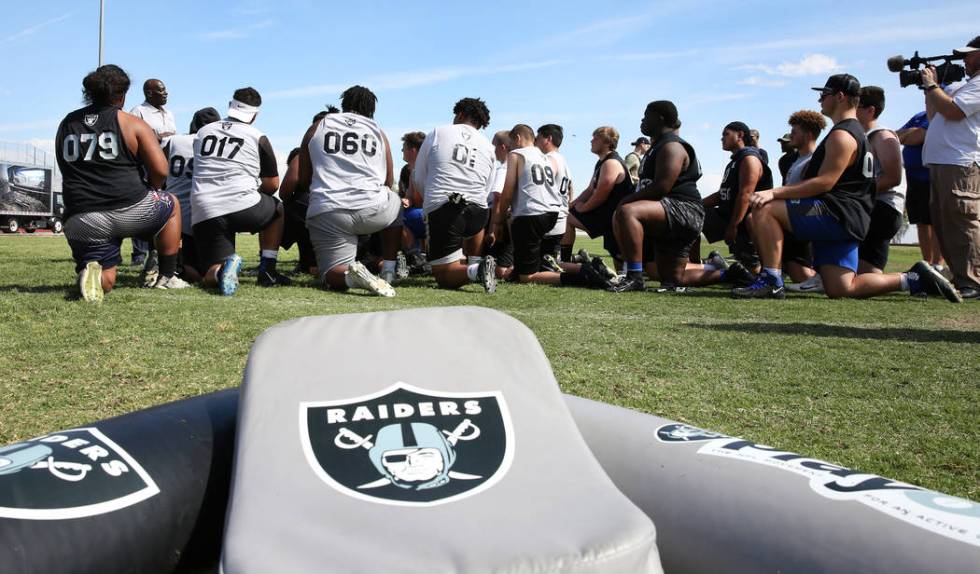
[270, 253]
[474, 260]
[710, 267]
[473, 272]
[905, 281]
[387, 266]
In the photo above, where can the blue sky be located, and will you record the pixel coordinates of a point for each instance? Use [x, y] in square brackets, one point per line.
[577, 64]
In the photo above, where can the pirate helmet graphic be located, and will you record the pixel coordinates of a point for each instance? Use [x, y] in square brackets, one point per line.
[15, 457]
[413, 455]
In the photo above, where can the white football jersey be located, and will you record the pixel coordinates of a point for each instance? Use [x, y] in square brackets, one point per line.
[538, 192]
[564, 181]
[180, 171]
[499, 177]
[349, 160]
[227, 166]
[454, 158]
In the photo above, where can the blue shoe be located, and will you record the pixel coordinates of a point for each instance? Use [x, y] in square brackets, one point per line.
[764, 287]
[228, 275]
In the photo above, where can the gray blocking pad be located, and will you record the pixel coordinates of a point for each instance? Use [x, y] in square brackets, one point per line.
[724, 504]
[428, 440]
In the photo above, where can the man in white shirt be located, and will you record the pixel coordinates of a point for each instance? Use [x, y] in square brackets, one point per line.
[952, 152]
[502, 249]
[454, 174]
[162, 121]
[153, 112]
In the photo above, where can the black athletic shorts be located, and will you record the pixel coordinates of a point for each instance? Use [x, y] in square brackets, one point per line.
[797, 251]
[502, 249]
[449, 225]
[295, 232]
[885, 223]
[599, 222]
[917, 195]
[215, 237]
[551, 245]
[685, 218]
[528, 231]
[188, 253]
[715, 225]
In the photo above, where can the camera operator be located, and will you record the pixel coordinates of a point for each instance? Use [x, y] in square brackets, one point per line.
[952, 152]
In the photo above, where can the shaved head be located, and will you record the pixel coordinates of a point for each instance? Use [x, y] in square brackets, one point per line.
[522, 131]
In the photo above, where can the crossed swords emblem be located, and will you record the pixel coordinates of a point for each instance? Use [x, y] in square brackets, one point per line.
[350, 440]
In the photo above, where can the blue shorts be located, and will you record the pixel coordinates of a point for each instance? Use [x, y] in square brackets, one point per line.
[832, 245]
[414, 220]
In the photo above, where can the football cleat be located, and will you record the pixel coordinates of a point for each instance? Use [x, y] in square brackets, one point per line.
[90, 282]
[228, 275]
[361, 278]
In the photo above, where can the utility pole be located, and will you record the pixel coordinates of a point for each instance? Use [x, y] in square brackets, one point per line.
[101, 26]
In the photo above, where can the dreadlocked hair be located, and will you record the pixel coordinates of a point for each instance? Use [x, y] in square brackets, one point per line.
[358, 100]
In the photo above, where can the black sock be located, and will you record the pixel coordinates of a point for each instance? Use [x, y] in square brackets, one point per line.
[267, 264]
[566, 253]
[168, 265]
[634, 274]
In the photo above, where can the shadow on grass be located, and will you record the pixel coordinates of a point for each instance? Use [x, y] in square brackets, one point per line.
[842, 332]
[37, 288]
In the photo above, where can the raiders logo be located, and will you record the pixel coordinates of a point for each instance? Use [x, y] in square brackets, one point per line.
[466, 136]
[71, 474]
[226, 125]
[90, 119]
[409, 446]
[679, 432]
[350, 122]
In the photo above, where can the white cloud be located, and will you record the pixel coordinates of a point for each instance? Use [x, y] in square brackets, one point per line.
[762, 82]
[238, 33]
[33, 29]
[810, 65]
[410, 79]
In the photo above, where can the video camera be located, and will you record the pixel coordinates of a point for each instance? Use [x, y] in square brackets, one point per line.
[946, 73]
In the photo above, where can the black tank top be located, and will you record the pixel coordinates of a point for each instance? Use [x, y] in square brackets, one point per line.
[730, 183]
[621, 189]
[98, 171]
[685, 187]
[852, 197]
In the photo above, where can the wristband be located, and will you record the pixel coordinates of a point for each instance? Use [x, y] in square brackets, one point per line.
[930, 87]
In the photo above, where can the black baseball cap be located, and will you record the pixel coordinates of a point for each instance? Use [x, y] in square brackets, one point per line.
[972, 46]
[641, 140]
[843, 83]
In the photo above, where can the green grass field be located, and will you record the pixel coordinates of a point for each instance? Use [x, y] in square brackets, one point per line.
[888, 386]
